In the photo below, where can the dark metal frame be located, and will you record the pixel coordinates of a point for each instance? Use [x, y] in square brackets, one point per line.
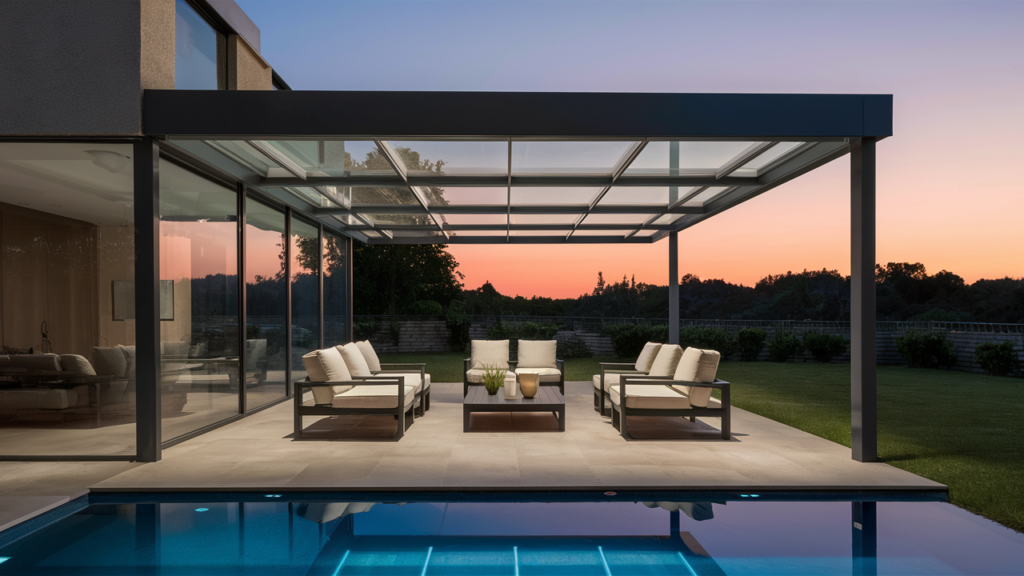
[600, 395]
[399, 412]
[402, 368]
[621, 412]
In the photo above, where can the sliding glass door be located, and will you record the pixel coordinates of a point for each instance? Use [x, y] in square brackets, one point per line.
[266, 305]
[305, 279]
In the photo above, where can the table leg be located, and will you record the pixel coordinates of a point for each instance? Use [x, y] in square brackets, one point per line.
[465, 418]
[98, 417]
[561, 419]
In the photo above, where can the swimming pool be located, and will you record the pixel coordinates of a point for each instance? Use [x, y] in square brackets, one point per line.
[419, 534]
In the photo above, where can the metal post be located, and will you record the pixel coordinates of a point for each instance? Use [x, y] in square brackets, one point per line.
[320, 280]
[243, 323]
[288, 297]
[673, 288]
[865, 538]
[349, 290]
[146, 166]
[863, 381]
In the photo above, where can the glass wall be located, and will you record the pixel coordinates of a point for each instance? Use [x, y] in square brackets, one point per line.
[266, 304]
[199, 324]
[335, 292]
[198, 51]
[67, 308]
[305, 279]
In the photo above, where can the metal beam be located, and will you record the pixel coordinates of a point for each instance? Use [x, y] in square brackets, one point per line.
[502, 181]
[499, 227]
[515, 209]
[617, 239]
[863, 378]
[146, 165]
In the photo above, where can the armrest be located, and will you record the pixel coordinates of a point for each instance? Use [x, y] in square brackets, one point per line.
[410, 364]
[560, 364]
[716, 384]
[465, 364]
[363, 382]
[633, 364]
[640, 377]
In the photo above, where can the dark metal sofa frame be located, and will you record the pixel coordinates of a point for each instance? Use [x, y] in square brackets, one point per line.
[512, 364]
[418, 366]
[399, 411]
[599, 395]
[620, 412]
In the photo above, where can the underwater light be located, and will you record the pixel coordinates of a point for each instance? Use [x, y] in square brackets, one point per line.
[201, 509]
[4, 559]
[273, 496]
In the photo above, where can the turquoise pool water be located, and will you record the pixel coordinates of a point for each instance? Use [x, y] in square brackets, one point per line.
[508, 534]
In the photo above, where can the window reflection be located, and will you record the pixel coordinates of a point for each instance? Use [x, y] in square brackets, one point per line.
[335, 294]
[199, 325]
[266, 303]
[305, 279]
[196, 50]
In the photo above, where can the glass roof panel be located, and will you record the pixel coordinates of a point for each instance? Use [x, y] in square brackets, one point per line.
[709, 194]
[646, 233]
[244, 154]
[619, 232]
[774, 153]
[309, 195]
[566, 157]
[381, 195]
[631, 195]
[624, 219]
[544, 218]
[334, 157]
[447, 157]
[450, 195]
[666, 219]
[459, 219]
[384, 219]
[694, 158]
[543, 195]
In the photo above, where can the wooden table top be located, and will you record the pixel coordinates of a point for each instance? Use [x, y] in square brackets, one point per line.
[546, 395]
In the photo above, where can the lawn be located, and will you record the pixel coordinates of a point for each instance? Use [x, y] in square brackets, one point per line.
[963, 430]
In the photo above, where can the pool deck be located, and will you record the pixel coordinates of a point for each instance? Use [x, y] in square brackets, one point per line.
[519, 451]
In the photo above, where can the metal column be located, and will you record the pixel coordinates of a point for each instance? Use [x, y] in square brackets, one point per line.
[349, 290]
[863, 381]
[673, 288]
[146, 166]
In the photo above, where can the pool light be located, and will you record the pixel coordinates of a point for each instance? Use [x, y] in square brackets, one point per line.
[427, 561]
[342, 563]
[607, 570]
[515, 557]
[202, 509]
[687, 564]
[6, 558]
[273, 496]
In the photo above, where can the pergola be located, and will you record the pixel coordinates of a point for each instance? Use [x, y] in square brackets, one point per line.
[535, 168]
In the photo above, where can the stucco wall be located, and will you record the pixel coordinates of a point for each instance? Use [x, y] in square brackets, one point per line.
[157, 44]
[70, 67]
[246, 69]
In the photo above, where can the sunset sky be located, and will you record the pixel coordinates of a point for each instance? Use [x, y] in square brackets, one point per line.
[949, 190]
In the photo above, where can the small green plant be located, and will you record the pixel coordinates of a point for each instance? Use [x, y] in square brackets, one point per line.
[926, 349]
[750, 342]
[997, 359]
[784, 346]
[571, 347]
[494, 378]
[824, 347]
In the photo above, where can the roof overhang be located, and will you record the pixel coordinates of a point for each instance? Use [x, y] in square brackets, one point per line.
[282, 130]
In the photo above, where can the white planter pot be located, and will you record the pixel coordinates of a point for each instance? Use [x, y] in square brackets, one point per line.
[511, 386]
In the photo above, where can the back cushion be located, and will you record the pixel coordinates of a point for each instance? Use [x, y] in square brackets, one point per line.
[354, 360]
[697, 366]
[488, 352]
[538, 353]
[646, 357]
[326, 366]
[76, 364]
[174, 349]
[109, 361]
[370, 355]
[666, 361]
[35, 362]
[129, 358]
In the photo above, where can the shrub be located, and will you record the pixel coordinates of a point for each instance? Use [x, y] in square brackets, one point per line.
[824, 347]
[629, 339]
[573, 346]
[364, 329]
[999, 359]
[707, 339]
[926, 350]
[425, 308]
[750, 342]
[784, 346]
[458, 321]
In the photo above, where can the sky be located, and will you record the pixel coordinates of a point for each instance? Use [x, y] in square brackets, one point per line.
[948, 184]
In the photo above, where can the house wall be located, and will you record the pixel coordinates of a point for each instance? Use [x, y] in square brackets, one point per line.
[246, 69]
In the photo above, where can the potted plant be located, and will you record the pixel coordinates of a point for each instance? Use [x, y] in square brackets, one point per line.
[494, 378]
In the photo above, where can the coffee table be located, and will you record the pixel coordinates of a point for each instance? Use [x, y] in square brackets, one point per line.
[547, 400]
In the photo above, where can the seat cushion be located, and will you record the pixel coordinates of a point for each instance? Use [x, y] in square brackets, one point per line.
[666, 361]
[545, 374]
[655, 397]
[373, 397]
[611, 379]
[646, 357]
[411, 378]
[370, 355]
[697, 366]
[43, 398]
[35, 362]
[75, 364]
[354, 360]
[326, 365]
[538, 354]
[488, 353]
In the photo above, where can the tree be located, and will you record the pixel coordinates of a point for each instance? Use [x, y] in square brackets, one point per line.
[391, 277]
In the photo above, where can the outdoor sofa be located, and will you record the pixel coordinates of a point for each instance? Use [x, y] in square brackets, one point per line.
[342, 383]
[655, 359]
[687, 393]
[536, 356]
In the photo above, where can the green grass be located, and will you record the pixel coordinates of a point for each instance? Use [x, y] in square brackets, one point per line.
[963, 430]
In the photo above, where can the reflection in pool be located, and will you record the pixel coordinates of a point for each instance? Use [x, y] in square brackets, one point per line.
[340, 535]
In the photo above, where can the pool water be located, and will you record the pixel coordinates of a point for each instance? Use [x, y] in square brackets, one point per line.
[499, 534]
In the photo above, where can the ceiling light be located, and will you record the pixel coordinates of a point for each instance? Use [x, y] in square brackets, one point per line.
[110, 161]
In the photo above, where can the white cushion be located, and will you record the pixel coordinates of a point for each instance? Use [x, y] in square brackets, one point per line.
[654, 397]
[476, 375]
[646, 357]
[697, 366]
[76, 364]
[354, 360]
[370, 355]
[489, 353]
[129, 358]
[326, 365]
[666, 361]
[38, 362]
[538, 353]
[609, 379]
[373, 397]
[411, 378]
[111, 361]
[42, 398]
[545, 374]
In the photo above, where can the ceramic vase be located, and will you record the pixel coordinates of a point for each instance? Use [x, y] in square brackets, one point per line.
[528, 384]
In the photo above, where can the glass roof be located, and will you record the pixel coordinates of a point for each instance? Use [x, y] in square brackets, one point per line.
[557, 188]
